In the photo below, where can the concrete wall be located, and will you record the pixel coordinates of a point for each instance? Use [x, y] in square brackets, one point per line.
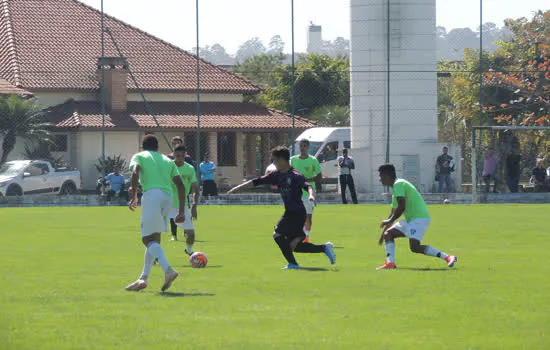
[412, 84]
[89, 150]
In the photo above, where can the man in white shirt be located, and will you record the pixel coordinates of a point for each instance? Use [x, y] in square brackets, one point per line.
[345, 165]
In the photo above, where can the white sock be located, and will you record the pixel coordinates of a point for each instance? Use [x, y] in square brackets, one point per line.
[190, 248]
[431, 251]
[390, 251]
[156, 251]
[307, 232]
[148, 260]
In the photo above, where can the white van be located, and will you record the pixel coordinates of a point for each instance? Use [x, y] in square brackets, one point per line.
[326, 144]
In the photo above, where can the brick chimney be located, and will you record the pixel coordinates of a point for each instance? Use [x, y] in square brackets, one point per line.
[116, 79]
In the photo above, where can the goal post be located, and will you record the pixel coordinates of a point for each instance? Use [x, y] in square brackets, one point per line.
[532, 143]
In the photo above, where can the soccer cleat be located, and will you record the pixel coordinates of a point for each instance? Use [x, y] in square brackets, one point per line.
[329, 251]
[188, 252]
[451, 260]
[306, 240]
[292, 267]
[137, 285]
[387, 266]
[169, 277]
[174, 238]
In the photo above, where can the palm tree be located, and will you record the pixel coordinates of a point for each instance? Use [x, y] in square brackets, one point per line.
[23, 118]
[331, 116]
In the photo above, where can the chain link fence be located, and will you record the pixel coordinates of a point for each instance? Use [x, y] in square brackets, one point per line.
[424, 83]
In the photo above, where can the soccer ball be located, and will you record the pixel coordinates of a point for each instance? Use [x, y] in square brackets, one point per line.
[198, 260]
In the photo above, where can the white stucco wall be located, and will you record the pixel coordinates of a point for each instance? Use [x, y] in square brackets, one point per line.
[89, 148]
[412, 84]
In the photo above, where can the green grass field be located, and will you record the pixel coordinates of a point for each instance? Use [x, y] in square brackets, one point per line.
[65, 269]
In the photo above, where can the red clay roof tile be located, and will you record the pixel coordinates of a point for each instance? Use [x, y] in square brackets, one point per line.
[176, 115]
[55, 45]
[6, 88]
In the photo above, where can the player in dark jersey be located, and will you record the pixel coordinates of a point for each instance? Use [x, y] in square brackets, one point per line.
[289, 232]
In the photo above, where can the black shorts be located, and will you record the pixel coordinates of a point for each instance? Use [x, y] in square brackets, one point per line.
[291, 224]
[209, 188]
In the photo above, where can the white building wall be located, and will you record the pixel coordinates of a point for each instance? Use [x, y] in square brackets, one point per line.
[412, 84]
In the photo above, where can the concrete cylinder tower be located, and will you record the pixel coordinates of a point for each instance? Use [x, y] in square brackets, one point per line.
[408, 49]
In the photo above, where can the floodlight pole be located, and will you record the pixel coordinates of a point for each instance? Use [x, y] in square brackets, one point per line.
[293, 99]
[198, 91]
[102, 91]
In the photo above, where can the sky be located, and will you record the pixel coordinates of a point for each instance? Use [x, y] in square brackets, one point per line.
[230, 23]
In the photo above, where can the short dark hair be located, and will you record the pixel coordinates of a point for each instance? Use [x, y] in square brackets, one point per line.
[389, 169]
[180, 148]
[281, 152]
[305, 141]
[345, 150]
[177, 138]
[150, 143]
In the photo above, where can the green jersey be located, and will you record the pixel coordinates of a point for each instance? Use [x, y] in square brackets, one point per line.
[155, 170]
[308, 167]
[415, 207]
[189, 176]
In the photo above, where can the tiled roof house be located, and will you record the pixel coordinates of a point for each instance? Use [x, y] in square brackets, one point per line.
[51, 49]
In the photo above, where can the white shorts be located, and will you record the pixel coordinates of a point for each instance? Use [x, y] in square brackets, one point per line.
[155, 211]
[188, 223]
[414, 229]
[309, 205]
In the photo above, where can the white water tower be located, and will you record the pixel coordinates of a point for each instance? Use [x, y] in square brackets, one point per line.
[407, 47]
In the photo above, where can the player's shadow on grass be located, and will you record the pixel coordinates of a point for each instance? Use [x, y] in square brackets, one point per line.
[317, 269]
[180, 294]
[425, 268]
[207, 267]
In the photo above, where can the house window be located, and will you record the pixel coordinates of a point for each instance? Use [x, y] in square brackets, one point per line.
[227, 149]
[60, 143]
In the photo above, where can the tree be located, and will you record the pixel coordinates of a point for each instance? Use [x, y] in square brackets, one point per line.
[23, 118]
[250, 48]
[336, 116]
[276, 45]
[259, 68]
[319, 81]
[215, 54]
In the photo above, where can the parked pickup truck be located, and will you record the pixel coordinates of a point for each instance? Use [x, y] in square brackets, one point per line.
[21, 177]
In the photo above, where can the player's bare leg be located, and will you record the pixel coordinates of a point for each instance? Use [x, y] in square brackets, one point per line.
[190, 240]
[389, 238]
[153, 251]
[307, 226]
[418, 248]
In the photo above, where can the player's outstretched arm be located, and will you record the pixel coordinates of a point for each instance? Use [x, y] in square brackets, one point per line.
[247, 184]
[181, 196]
[133, 190]
[195, 189]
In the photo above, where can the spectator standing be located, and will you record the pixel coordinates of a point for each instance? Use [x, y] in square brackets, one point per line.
[443, 169]
[490, 160]
[208, 177]
[345, 166]
[513, 170]
[538, 177]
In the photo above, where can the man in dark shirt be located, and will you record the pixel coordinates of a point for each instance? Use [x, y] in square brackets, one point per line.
[538, 177]
[289, 233]
[443, 169]
[513, 170]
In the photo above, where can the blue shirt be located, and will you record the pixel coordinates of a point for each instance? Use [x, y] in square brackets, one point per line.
[290, 185]
[116, 181]
[208, 170]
